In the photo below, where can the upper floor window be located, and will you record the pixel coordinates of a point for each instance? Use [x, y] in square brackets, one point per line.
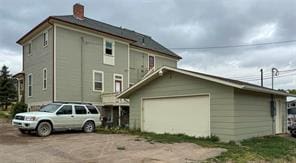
[44, 79]
[109, 47]
[98, 81]
[30, 85]
[151, 62]
[30, 48]
[45, 38]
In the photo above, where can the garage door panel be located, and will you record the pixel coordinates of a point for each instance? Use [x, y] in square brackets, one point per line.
[188, 115]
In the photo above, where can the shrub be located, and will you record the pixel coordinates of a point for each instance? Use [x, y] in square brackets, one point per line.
[19, 107]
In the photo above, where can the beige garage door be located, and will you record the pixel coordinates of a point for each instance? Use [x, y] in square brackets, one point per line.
[187, 115]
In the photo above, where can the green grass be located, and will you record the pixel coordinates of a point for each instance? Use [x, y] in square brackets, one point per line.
[4, 114]
[269, 148]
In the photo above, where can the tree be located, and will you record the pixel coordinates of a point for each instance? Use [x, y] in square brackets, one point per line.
[292, 91]
[8, 92]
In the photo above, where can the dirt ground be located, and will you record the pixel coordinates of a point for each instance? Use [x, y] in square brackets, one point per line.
[80, 147]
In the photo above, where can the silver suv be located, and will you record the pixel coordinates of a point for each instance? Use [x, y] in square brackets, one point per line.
[59, 116]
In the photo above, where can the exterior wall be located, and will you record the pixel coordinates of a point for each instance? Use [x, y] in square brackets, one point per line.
[139, 64]
[40, 58]
[71, 86]
[252, 114]
[173, 84]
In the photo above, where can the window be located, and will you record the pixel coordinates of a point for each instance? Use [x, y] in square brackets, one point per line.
[44, 79]
[45, 38]
[30, 48]
[80, 110]
[30, 78]
[66, 109]
[109, 47]
[98, 78]
[118, 83]
[50, 108]
[151, 62]
[92, 109]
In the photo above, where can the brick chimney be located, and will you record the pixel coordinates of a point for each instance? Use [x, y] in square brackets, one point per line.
[78, 11]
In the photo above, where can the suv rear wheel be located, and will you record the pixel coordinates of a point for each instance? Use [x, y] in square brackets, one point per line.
[44, 129]
[89, 126]
[293, 132]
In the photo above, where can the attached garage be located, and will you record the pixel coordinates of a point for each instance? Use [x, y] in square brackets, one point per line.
[178, 101]
[179, 114]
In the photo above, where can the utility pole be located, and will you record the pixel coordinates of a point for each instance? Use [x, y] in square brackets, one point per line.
[261, 71]
[274, 72]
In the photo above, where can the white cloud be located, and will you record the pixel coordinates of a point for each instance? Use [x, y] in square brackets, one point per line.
[11, 59]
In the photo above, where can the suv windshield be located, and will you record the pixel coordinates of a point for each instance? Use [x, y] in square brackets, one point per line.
[50, 108]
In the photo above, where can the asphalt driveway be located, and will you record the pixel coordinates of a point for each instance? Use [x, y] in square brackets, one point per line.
[81, 147]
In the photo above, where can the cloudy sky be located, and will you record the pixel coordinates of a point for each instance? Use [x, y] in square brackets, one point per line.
[181, 25]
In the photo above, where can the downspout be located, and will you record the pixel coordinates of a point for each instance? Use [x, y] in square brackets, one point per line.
[81, 69]
[273, 113]
[53, 60]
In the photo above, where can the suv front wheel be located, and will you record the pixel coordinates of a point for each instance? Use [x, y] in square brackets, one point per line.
[88, 127]
[44, 129]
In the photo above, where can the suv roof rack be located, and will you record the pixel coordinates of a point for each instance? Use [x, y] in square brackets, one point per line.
[69, 102]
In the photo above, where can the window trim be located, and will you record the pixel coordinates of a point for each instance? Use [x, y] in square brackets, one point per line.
[114, 79]
[154, 59]
[30, 85]
[93, 80]
[113, 47]
[44, 79]
[45, 34]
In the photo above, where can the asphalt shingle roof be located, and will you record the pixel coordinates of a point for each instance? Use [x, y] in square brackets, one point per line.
[139, 40]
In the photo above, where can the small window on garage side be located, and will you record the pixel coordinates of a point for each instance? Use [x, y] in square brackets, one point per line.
[30, 48]
[109, 48]
[45, 39]
[66, 109]
[92, 109]
[80, 110]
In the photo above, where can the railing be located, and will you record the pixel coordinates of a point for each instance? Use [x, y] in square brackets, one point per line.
[111, 99]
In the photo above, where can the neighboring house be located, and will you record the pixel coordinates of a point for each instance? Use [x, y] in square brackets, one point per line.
[172, 100]
[78, 59]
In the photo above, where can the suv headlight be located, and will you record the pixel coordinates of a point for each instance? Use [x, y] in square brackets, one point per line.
[31, 118]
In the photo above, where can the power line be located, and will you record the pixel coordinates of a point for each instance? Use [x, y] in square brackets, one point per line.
[268, 74]
[232, 46]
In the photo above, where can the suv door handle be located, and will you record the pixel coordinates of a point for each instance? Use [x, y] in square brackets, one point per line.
[72, 115]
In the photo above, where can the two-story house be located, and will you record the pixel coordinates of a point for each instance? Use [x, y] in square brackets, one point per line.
[78, 59]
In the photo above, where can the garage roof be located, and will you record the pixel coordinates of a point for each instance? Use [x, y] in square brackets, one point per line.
[221, 80]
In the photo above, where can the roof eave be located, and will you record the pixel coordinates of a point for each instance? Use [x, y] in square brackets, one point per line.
[263, 90]
[32, 30]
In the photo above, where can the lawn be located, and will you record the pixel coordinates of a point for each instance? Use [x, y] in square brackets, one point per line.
[4, 114]
[269, 148]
